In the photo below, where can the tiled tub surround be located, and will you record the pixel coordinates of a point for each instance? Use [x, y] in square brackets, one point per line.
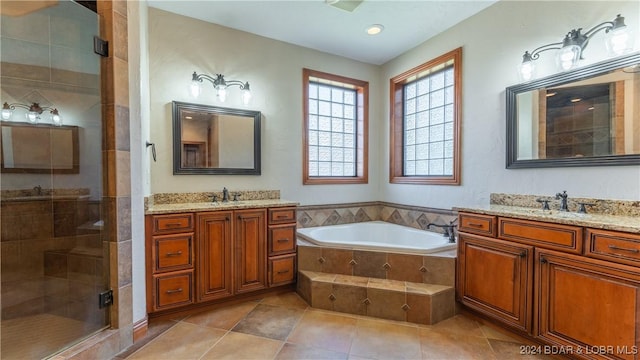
[412, 216]
[413, 288]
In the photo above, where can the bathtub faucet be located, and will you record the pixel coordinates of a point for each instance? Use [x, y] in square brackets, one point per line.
[447, 230]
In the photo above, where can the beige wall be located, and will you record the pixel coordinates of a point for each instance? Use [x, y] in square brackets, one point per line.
[493, 42]
[179, 45]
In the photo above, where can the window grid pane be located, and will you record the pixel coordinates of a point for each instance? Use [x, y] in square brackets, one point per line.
[333, 153]
[428, 125]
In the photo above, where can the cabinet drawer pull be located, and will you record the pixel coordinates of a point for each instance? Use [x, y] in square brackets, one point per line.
[283, 271]
[282, 216]
[283, 240]
[178, 253]
[172, 225]
[475, 225]
[613, 247]
[178, 290]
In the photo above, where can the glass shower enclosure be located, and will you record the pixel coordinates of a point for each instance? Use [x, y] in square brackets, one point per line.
[53, 261]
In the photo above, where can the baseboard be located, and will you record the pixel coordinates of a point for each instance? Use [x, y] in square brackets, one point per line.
[140, 329]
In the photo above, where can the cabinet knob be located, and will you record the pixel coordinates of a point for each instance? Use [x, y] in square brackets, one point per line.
[522, 254]
[543, 260]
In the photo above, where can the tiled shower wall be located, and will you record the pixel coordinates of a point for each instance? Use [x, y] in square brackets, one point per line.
[413, 216]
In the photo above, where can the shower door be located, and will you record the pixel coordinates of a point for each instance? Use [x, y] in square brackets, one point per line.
[53, 262]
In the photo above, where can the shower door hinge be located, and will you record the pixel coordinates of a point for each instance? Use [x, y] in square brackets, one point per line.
[100, 47]
[105, 299]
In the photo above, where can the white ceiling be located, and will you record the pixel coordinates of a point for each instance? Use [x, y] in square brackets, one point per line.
[317, 25]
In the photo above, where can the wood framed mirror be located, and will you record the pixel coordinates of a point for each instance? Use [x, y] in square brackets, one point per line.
[215, 140]
[589, 116]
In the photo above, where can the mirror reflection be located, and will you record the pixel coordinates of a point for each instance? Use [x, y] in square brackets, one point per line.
[42, 149]
[575, 119]
[215, 140]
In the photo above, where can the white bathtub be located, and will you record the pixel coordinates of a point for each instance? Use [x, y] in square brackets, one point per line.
[377, 236]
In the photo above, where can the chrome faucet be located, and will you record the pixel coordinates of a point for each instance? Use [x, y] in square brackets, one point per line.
[38, 190]
[563, 200]
[447, 230]
[225, 195]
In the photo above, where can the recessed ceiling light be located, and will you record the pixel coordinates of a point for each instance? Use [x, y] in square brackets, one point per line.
[375, 29]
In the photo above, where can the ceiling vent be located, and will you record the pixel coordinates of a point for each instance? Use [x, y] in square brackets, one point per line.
[346, 5]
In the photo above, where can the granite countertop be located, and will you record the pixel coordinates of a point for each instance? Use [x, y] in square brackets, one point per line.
[213, 206]
[594, 220]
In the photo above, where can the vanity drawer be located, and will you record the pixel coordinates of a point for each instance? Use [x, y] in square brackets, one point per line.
[173, 290]
[615, 246]
[282, 215]
[551, 236]
[172, 252]
[477, 224]
[282, 239]
[172, 223]
[282, 270]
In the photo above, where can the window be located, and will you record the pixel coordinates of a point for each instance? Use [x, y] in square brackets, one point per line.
[335, 138]
[425, 122]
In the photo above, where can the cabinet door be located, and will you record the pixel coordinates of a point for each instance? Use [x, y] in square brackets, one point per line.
[588, 304]
[215, 254]
[251, 250]
[495, 277]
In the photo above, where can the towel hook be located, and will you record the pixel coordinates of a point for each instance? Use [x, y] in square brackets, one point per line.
[153, 150]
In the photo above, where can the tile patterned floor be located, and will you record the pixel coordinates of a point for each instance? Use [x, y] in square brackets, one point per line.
[284, 327]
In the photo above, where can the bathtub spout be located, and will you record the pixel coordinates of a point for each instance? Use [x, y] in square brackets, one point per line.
[448, 230]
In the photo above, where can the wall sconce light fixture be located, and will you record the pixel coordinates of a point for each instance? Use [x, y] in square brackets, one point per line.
[618, 41]
[220, 85]
[34, 112]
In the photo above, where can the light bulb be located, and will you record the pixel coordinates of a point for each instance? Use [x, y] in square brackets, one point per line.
[221, 92]
[568, 57]
[246, 96]
[195, 88]
[527, 70]
[6, 114]
[33, 117]
[56, 119]
[618, 41]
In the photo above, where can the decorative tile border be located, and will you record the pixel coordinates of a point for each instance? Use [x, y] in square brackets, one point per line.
[334, 214]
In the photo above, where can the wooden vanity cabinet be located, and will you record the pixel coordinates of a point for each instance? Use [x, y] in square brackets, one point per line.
[282, 246]
[215, 251]
[231, 253]
[251, 250]
[495, 278]
[587, 305]
[170, 261]
[214, 255]
[574, 288]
